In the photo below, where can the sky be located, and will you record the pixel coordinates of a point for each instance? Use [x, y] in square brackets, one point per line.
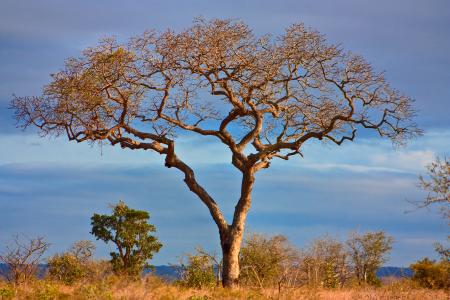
[50, 187]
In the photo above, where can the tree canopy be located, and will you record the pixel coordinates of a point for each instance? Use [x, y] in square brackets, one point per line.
[130, 231]
[276, 92]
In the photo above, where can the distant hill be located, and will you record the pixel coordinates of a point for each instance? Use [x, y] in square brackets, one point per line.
[173, 272]
[42, 269]
[394, 272]
[167, 272]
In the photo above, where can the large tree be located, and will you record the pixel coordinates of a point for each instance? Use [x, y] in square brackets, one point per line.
[262, 97]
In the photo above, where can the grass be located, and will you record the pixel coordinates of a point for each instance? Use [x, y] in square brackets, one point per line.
[154, 288]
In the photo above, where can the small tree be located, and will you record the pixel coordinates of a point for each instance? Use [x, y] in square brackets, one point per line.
[325, 263]
[368, 252]
[130, 231]
[22, 258]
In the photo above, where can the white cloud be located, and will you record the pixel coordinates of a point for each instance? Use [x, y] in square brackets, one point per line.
[357, 168]
[376, 155]
[363, 156]
[413, 161]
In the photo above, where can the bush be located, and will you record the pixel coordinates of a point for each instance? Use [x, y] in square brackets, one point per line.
[266, 261]
[46, 291]
[97, 291]
[66, 268]
[325, 263]
[76, 264]
[21, 259]
[7, 292]
[98, 269]
[431, 274]
[199, 271]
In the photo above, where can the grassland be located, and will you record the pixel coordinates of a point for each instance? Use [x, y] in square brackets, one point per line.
[154, 288]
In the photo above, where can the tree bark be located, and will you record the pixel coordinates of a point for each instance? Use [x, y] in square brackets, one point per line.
[231, 246]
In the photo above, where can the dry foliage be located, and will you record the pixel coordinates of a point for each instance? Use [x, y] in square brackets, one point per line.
[22, 258]
[437, 184]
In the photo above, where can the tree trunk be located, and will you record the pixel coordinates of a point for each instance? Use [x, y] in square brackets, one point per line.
[230, 235]
[231, 239]
[231, 246]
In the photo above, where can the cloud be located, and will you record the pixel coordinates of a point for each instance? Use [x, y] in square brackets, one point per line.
[300, 203]
[376, 155]
[405, 160]
[362, 156]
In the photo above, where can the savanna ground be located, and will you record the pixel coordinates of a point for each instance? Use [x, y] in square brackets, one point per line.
[152, 287]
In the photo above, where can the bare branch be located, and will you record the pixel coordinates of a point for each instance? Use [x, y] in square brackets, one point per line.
[22, 258]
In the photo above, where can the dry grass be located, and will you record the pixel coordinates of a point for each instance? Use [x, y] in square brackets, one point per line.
[155, 288]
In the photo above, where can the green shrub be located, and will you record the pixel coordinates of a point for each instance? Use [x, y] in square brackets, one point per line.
[46, 291]
[6, 292]
[199, 272]
[66, 268]
[195, 297]
[431, 274]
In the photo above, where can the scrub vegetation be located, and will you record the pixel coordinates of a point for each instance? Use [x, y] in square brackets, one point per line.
[272, 268]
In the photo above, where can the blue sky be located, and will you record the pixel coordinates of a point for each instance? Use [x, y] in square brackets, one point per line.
[51, 187]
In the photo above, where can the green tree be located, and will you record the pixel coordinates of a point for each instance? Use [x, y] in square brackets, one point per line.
[368, 252]
[130, 231]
